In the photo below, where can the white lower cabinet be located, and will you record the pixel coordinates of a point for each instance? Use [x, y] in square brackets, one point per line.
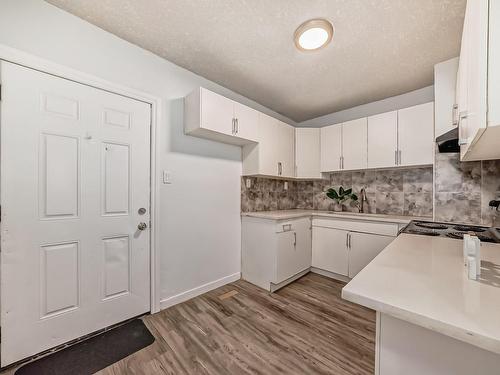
[345, 247]
[275, 252]
[363, 248]
[330, 250]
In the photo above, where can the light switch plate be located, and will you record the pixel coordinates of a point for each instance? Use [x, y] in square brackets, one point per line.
[248, 183]
[285, 185]
[167, 177]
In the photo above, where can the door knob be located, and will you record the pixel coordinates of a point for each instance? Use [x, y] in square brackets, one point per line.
[142, 226]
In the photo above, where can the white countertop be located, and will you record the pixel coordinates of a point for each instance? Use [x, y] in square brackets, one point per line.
[422, 280]
[293, 214]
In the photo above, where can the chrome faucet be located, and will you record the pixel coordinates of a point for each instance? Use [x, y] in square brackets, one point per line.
[495, 205]
[362, 197]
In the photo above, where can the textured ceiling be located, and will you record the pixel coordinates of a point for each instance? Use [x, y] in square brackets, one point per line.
[381, 48]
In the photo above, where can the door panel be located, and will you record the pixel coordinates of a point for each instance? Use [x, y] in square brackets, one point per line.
[75, 170]
[331, 148]
[382, 140]
[355, 144]
[416, 135]
[364, 248]
[59, 176]
[329, 250]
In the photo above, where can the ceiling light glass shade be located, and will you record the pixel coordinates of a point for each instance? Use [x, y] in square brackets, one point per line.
[313, 34]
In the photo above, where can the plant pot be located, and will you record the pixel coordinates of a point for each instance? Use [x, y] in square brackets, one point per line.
[338, 207]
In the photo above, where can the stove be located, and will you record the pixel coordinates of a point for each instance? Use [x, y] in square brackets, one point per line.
[450, 230]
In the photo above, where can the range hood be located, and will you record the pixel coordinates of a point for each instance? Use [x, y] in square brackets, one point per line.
[448, 142]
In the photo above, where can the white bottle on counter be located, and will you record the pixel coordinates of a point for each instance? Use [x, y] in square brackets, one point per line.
[472, 256]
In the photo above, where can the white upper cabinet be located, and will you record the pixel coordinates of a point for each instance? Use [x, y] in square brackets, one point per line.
[383, 140]
[273, 155]
[284, 141]
[478, 84]
[344, 146]
[355, 144]
[307, 153]
[331, 148]
[445, 108]
[246, 122]
[416, 135]
[212, 116]
[217, 112]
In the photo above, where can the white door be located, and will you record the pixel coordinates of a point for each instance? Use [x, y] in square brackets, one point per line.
[247, 123]
[217, 112]
[383, 140]
[284, 142]
[331, 148]
[75, 171]
[329, 250]
[307, 153]
[363, 248]
[416, 135]
[355, 144]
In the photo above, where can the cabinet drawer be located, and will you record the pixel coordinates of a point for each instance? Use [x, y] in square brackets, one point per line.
[386, 229]
[292, 225]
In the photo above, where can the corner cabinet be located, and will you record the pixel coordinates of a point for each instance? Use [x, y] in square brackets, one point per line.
[307, 153]
[273, 155]
[275, 252]
[478, 82]
[213, 116]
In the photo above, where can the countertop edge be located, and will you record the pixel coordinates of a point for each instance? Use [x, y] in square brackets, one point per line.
[484, 342]
[269, 216]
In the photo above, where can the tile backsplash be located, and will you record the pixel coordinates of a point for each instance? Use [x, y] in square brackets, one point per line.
[464, 189]
[397, 192]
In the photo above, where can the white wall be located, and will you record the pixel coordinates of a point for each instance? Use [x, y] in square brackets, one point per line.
[409, 99]
[200, 224]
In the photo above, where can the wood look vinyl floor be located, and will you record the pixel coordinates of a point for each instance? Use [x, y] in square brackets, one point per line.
[304, 328]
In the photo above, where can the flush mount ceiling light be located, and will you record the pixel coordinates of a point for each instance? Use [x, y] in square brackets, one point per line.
[313, 34]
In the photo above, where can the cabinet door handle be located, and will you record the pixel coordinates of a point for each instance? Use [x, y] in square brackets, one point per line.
[399, 157]
[280, 169]
[395, 157]
[237, 127]
[294, 238]
[340, 162]
[233, 124]
[347, 241]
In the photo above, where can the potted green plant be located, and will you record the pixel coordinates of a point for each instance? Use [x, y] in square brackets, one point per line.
[341, 196]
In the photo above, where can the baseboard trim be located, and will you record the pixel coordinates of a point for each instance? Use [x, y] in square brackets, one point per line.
[331, 275]
[187, 295]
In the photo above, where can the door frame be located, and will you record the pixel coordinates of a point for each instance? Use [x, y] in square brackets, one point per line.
[27, 60]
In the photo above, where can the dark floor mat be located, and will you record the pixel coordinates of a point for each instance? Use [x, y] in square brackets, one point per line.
[94, 354]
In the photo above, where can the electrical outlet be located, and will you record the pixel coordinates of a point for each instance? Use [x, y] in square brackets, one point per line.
[248, 183]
